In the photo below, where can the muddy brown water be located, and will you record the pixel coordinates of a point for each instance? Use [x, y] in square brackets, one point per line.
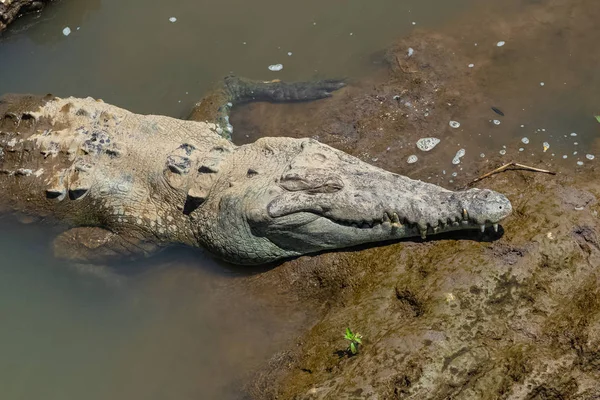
[164, 332]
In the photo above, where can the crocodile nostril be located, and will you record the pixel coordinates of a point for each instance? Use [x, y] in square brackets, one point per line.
[312, 181]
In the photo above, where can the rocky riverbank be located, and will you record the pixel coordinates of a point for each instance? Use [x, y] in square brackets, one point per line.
[12, 9]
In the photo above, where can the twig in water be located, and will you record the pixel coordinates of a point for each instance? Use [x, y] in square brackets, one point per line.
[514, 166]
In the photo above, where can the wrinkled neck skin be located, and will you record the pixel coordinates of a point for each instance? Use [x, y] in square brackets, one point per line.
[282, 197]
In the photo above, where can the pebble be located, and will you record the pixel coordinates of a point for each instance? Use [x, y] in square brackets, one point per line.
[412, 159]
[454, 124]
[546, 146]
[426, 144]
[458, 156]
[590, 156]
[66, 31]
[501, 43]
[525, 140]
[276, 67]
[173, 19]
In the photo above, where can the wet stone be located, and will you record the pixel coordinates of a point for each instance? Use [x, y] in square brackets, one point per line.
[427, 144]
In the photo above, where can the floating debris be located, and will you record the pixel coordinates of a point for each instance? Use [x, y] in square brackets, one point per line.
[496, 122]
[525, 140]
[590, 156]
[501, 43]
[276, 67]
[173, 19]
[427, 144]
[497, 111]
[412, 159]
[411, 51]
[454, 124]
[458, 156]
[546, 146]
[66, 31]
[502, 152]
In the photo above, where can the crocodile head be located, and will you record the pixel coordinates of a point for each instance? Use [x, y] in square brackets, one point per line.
[282, 197]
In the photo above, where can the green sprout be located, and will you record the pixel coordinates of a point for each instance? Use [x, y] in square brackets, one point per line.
[598, 118]
[355, 340]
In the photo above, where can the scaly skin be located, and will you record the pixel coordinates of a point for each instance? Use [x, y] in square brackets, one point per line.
[129, 184]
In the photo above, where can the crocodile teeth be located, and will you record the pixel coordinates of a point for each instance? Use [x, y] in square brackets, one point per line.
[386, 217]
[482, 227]
[423, 233]
[436, 229]
[395, 218]
[465, 214]
[496, 228]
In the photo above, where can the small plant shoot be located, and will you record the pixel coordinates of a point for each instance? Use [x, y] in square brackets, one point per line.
[355, 340]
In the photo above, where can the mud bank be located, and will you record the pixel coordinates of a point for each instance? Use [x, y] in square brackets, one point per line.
[514, 316]
[13, 9]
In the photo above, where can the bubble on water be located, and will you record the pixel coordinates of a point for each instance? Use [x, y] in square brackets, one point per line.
[501, 43]
[411, 51]
[276, 67]
[471, 65]
[454, 124]
[525, 140]
[455, 174]
[542, 83]
[565, 156]
[590, 156]
[502, 152]
[496, 122]
[459, 154]
[521, 149]
[412, 159]
[573, 134]
[66, 31]
[522, 126]
[575, 143]
[580, 163]
[289, 53]
[482, 155]
[173, 19]
[426, 144]
[574, 153]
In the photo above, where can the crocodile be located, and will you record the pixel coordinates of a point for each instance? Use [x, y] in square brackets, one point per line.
[127, 185]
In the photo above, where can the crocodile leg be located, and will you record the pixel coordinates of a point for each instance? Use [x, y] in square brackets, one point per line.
[216, 106]
[97, 245]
